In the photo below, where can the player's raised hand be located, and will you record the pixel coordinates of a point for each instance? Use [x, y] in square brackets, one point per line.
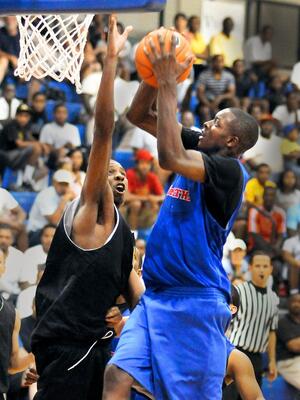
[116, 41]
[164, 63]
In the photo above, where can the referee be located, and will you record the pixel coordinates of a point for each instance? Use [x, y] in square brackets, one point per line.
[253, 330]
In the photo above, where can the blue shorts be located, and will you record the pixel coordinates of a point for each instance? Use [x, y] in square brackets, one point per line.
[174, 344]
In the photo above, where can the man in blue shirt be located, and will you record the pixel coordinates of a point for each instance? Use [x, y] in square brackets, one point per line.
[173, 344]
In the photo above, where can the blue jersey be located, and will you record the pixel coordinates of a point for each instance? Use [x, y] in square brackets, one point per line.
[185, 247]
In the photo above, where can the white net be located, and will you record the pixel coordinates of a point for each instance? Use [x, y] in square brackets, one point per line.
[52, 45]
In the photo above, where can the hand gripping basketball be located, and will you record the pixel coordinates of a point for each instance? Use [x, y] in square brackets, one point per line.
[164, 55]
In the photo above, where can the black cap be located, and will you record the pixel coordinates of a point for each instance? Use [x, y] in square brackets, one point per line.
[23, 108]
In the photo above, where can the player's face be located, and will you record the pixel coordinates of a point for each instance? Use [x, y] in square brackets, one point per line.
[46, 238]
[118, 181]
[260, 270]
[6, 239]
[216, 133]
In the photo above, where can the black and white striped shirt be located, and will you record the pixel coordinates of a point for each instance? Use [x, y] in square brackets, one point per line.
[257, 316]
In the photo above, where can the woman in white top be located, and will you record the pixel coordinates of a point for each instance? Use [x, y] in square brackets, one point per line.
[287, 194]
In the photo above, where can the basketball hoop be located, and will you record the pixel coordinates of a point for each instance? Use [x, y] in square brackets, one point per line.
[53, 33]
[52, 45]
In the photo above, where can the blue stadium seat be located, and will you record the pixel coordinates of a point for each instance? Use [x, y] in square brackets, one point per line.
[9, 177]
[193, 101]
[278, 390]
[22, 91]
[124, 157]
[73, 110]
[81, 129]
[68, 90]
[25, 199]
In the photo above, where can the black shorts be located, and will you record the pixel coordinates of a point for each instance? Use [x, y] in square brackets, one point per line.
[59, 381]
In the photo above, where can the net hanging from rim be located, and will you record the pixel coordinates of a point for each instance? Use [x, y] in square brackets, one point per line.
[52, 45]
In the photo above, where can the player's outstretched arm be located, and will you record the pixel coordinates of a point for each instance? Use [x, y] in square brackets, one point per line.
[241, 369]
[172, 154]
[96, 186]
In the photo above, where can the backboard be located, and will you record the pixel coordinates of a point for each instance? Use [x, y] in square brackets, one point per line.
[17, 7]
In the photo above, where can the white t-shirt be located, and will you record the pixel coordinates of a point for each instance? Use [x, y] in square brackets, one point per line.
[7, 202]
[295, 77]
[13, 263]
[292, 245]
[284, 116]
[58, 136]
[33, 257]
[25, 300]
[46, 203]
[287, 200]
[255, 50]
[4, 108]
[267, 151]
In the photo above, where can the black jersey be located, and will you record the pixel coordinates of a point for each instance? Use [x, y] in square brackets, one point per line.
[79, 286]
[7, 323]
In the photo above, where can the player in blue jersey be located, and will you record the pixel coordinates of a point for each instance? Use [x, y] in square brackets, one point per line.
[187, 287]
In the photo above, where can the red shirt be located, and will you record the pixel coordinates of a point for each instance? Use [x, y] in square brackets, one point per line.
[151, 185]
[267, 224]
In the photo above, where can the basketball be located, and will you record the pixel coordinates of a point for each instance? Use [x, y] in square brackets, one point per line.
[143, 64]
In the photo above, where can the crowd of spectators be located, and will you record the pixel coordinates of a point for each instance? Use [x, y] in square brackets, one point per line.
[44, 145]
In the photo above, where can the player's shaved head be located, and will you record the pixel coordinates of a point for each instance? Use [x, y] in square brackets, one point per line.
[245, 127]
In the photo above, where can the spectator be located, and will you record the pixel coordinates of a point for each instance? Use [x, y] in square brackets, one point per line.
[287, 194]
[14, 259]
[8, 104]
[275, 92]
[257, 303]
[140, 244]
[244, 80]
[255, 187]
[49, 205]
[145, 192]
[13, 215]
[235, 265]
[293, 219]
[267, 149]
[198, 45]
[12, 358]
[38, 113]
[267, 225]
[216, 86]
[290, 148]
[18, 147]
[291, 255]
[125, 54]
[256, 110]
[188, 120]
[9, 45]
[26, 297]
[226, 44]
[288, 347]
[37, 255]
[258, 52]
[288, 113]
[59, 136]
[77, 158]
[180, 24]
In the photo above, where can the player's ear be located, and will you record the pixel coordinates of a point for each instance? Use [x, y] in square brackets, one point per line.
[233, 141]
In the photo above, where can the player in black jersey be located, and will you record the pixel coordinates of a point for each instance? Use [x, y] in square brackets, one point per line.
[88, 266]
